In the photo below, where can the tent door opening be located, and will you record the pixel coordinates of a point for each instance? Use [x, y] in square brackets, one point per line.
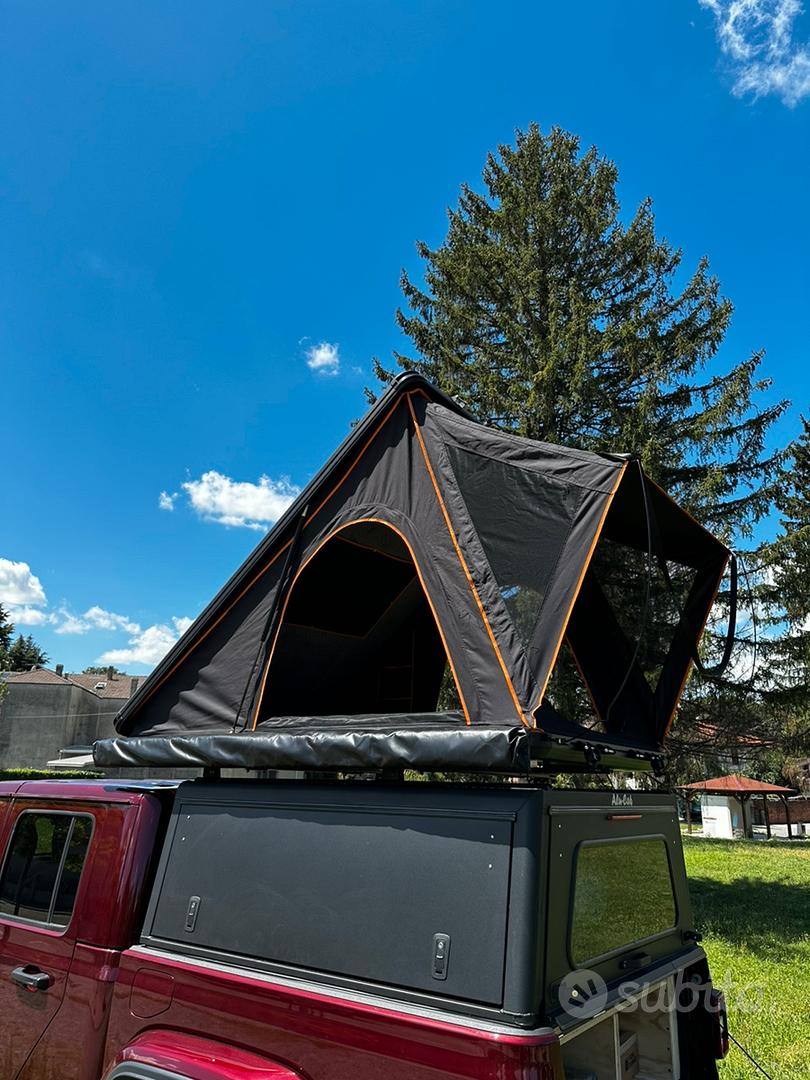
[357, 634]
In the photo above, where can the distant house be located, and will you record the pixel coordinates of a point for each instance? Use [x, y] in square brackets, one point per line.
[49, 715]
[727, 752]
[728, 804]
[802, 775]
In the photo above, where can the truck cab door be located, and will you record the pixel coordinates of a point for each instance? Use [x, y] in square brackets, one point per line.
[39, 876]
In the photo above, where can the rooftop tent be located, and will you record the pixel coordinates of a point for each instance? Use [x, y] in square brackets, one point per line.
[428, 543]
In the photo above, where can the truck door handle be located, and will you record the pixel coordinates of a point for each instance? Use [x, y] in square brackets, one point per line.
[31, 978]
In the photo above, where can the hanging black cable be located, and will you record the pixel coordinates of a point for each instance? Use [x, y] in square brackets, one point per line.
[718, 669]
[655, 547]
[731, 630]
[750, 1057]
[271, 621]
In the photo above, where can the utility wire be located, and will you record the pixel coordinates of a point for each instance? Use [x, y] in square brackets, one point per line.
[751, 1059]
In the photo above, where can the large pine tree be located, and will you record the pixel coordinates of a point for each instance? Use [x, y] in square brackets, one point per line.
[785, 598]
[25, 654]
[22, 654]
[6, 634]
[547, 313]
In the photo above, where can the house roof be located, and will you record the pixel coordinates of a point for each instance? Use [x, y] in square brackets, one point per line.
[120, 686]
[735, 784]
[728, 739]
[37, 675]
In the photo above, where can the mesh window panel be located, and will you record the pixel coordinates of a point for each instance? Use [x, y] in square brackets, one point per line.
[622, 574]
[522, 520]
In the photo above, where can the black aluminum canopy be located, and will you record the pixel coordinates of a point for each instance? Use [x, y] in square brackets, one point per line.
[428, 541]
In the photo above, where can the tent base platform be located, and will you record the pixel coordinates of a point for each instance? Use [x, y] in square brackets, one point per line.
[425, 742]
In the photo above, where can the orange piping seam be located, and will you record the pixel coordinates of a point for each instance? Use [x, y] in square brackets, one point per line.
[326, 539]
[690, 663]
[198, 641]
[582, 574]
[464, 565]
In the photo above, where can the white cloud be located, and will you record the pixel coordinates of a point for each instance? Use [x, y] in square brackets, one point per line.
[758, 38]
[182, 624]
[324, 359]
[18, 586]
[71, 624]
[22, 594]
[148, 646]
[230, 502]
[100, 619]
[167, 501]
[95, 618]
[30, 616]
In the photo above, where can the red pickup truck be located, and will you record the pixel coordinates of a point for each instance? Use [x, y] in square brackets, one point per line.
[260, 930]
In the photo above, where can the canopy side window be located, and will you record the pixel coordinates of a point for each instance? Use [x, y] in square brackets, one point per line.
[623, 893]
[357, 634]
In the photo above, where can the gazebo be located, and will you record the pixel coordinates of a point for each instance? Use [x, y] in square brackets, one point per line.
[741, 788]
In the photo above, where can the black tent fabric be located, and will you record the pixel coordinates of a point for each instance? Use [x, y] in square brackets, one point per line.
[428, 542]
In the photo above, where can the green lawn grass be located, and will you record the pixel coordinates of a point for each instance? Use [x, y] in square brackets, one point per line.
[752, 902]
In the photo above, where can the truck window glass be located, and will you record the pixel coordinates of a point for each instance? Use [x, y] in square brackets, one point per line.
[71, 871]
[622, 894]
[40, 876]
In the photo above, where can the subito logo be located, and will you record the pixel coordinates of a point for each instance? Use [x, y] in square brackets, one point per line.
[583, 994]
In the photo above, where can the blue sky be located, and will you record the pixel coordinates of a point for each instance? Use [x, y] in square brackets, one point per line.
[205, 209]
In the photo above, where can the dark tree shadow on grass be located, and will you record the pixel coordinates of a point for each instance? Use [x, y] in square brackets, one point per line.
[768, 917]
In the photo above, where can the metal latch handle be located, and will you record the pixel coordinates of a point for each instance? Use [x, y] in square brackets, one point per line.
[31, 978]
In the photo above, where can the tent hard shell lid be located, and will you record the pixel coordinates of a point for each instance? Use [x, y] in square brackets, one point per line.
[427, 542]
